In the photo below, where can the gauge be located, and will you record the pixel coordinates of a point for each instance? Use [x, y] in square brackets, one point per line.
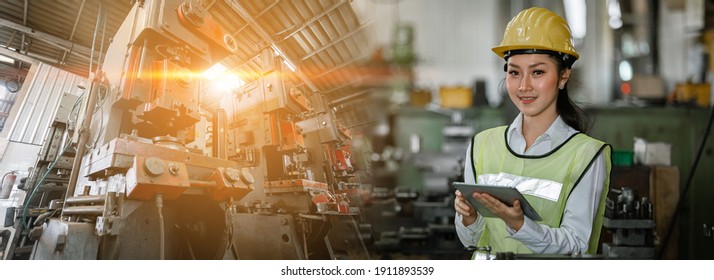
[12, 85]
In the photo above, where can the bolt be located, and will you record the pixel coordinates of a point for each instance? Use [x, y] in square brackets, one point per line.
[174, 168]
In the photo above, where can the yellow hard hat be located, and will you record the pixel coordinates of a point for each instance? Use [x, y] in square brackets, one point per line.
[536, 30]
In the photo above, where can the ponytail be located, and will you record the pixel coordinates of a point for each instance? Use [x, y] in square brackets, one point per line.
[569, 112]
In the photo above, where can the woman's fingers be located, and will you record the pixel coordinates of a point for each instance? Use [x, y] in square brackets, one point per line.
[461, 206]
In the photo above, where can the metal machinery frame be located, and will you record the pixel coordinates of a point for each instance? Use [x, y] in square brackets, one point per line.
[49, 177]
[274, 180]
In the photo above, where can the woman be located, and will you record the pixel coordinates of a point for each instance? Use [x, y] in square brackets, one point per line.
[562, 172]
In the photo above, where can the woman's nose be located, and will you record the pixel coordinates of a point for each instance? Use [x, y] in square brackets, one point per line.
[525, 84]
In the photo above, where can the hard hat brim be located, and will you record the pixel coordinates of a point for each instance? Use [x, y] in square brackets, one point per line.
[501, 50]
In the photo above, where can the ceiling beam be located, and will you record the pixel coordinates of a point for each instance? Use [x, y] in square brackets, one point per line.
[266, 37]
[313, 19]
[257, 17]
[17, 56]
[65, 45]
[334, 42]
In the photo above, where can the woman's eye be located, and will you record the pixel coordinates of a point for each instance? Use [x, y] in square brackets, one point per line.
[513, 73]
[538, 72]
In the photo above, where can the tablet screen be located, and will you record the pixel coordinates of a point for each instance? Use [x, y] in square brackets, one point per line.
[503, 193]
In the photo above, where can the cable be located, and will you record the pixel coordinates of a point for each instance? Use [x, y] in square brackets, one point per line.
[688, 184]
[37, 186]
[100, 106]
[159, 205]
[52, 165]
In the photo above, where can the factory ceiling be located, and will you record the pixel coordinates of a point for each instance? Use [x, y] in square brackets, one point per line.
[325, 40]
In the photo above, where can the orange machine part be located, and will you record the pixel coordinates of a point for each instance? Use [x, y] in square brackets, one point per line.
[284, 133]
[209, 29]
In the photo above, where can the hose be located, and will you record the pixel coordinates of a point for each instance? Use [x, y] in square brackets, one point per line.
[52, 165]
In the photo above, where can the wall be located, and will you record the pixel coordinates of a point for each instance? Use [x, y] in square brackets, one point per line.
[34, 111]
[38, 103]
[453, 40]
[19, 157]
[683, 128]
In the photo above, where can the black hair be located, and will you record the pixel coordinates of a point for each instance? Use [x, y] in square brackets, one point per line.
[571, 113]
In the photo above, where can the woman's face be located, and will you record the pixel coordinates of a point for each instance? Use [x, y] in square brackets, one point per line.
[532, 81]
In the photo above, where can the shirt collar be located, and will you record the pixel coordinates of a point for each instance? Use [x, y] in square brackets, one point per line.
[557, 132]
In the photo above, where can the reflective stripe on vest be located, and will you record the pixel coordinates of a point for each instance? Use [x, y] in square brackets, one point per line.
[546, 181]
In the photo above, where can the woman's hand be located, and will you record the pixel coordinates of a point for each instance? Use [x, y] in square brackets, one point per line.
[513, 216]
[463, 207]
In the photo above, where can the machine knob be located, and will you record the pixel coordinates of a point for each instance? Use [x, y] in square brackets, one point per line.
[154, 166]
[246, 176]
[231, 174]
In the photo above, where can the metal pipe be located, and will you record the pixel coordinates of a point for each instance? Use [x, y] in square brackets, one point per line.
[83, 137]
[101, 46]
[24, 22]
[74, 29]
[202, 184]
[76, 21]
[81, 51]
[94, 38]
[219, 134]
[86, 199]
[83, 210]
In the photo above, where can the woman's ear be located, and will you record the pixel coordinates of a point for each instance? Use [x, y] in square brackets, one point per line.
[564, 76]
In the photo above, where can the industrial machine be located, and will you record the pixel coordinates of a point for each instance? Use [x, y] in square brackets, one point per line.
[418, 222]
[631, 221]
[47, 183]
[164, 172]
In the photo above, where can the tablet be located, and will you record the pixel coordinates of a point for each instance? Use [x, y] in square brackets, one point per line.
[503, 193]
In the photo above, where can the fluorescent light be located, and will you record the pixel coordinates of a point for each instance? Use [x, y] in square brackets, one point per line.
[289, 65]
[576, 15]
[286, 61]
[6, 59]
[615, 14]
[215, 72]
[625, 70]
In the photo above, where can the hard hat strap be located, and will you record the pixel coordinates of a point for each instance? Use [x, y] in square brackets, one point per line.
[567, 59]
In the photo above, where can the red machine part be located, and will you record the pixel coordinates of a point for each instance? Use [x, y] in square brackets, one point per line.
[285, 133]
[340, 158]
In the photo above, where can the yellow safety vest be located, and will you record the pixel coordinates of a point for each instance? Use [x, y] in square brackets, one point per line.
[565, 164]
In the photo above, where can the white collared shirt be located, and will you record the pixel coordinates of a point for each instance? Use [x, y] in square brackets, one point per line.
[580, 209]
